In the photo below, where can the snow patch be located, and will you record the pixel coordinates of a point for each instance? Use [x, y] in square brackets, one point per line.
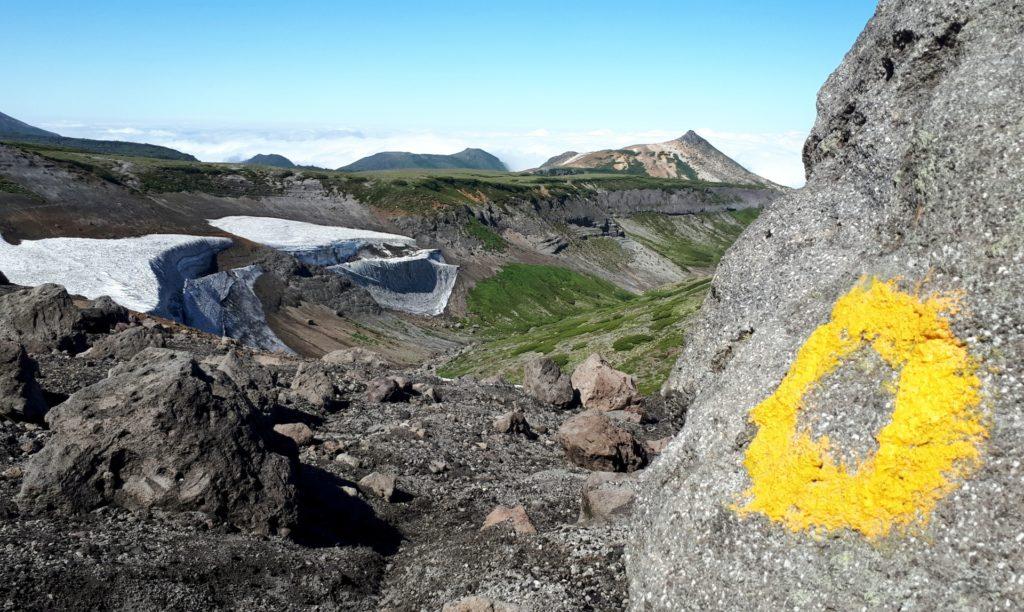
[320, 245]
[418, 282]
[145, 273]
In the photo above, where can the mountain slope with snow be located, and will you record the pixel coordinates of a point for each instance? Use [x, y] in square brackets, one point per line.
[687, 157]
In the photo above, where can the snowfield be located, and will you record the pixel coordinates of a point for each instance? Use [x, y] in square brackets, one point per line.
[321, 245]
[420, 283]
[415, 281]
[145, 274]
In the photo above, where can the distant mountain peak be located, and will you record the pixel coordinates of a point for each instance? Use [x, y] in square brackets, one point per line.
[469, 159]
[691, 137]
[270, 159]
[688, 157]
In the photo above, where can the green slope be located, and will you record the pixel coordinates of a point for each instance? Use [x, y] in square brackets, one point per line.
[641, 335]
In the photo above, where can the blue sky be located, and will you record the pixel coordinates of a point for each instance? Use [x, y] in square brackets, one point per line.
[526, 78]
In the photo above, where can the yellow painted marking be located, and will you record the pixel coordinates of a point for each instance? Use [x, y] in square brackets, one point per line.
[930, 444]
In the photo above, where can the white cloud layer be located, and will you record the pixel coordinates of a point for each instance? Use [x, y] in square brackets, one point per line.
[775, 156]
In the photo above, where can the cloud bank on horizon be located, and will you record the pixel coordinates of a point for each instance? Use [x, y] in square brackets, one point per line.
[775, 156]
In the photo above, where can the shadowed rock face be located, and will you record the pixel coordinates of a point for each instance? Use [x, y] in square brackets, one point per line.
[915, 172]
[160, 433]
[225, 304]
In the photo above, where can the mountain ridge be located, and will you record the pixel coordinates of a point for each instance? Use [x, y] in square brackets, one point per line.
[14, 130]
[467, 159]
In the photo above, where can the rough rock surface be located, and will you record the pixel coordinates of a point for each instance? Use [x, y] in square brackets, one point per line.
[607, 496]
[41, 319]
[602, 387]
[592, 441]
[513, 423]
[915, 172]
[543, 380]
[159, 434]
[20, 395]
[385, 389]
[124, 345]
[475, 603]
[102, 314]
[512, 516]
[313, 384]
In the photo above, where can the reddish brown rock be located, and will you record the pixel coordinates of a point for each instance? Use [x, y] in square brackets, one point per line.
[515, 517]
[592, 441]
[513, 423]
[602, 387]
[300, 433]
[607, 496]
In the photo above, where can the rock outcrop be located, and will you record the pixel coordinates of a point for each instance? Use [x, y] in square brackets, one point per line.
[879, 307]
[124, 345]
[41, 319]
[602, 387]
[592, 441]
[20, 395]
[543, 380]
[158, 433]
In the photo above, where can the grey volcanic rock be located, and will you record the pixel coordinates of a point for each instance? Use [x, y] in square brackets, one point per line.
[544, 381]
[20, 395]
[102, 315]
[124, 345]
[41, 318]
[312, 384]
[158, 433]
[915, 172]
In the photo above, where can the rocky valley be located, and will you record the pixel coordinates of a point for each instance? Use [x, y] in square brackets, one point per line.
[641, 378]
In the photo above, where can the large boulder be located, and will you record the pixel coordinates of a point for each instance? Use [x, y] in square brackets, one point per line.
[125, 344]
[592, 441]
[602, 387]
[854, 435]
[20, 395]
[102, 314]
[313, 384]
[41, 319]
[543, 380]
[158, 433]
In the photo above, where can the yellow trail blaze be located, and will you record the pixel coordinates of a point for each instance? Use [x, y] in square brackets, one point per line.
[930, 444]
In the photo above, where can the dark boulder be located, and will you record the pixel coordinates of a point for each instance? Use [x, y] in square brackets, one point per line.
[20, 395]
[159, 433]
[544, 381]
[102, 315]
[41, 319]
[124, 345]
